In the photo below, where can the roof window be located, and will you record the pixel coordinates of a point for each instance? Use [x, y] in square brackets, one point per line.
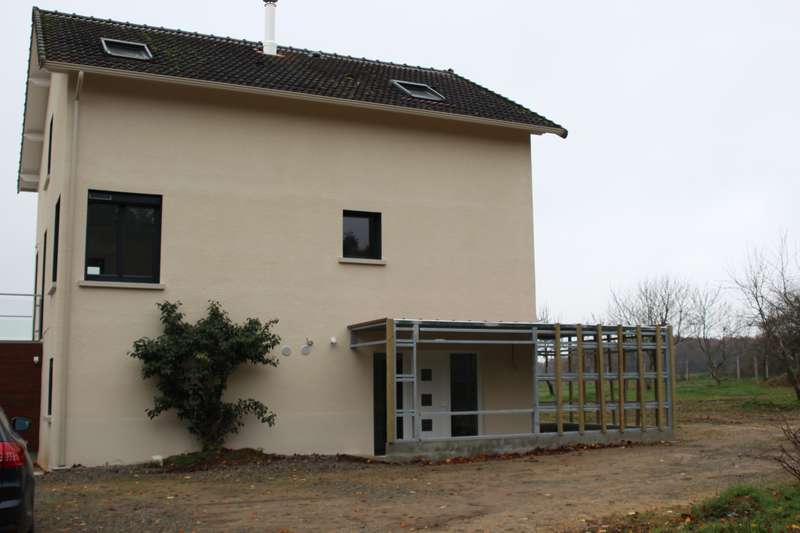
[418, 90]
[126, 49]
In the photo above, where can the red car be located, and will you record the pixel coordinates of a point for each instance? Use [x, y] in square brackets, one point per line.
[16, 476]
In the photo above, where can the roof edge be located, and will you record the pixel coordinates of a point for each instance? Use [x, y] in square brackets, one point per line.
[177, 80]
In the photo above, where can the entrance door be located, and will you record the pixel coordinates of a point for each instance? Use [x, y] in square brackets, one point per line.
[434, 389]
[464, 393]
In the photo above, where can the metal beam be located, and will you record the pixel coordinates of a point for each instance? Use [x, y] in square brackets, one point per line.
[391, 354]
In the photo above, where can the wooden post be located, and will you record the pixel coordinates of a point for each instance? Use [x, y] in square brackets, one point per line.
[640, 369]
[738, 368]
[673, 399]
[659, 379]
[581, 387]
[391, 354]
[621, 377]
[755, 367]
[557, 363]
[601, 397]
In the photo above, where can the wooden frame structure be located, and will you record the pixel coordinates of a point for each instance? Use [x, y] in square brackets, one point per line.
[598, 361]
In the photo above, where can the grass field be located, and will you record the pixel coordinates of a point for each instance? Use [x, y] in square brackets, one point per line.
[745, 394]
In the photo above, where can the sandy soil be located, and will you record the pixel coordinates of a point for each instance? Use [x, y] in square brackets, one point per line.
[541, 493]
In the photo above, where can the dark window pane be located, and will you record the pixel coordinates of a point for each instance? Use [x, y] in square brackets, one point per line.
[127, 49]
[50, 147]
[56, 225]
[427, 424]
[356, 236]
[139, 234]
[426, 374]
[361, 235]
[427, 400]
[101, 240]
[50, 388]
[123, 237]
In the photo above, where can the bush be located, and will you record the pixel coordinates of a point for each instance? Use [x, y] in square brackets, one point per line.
[191, 364]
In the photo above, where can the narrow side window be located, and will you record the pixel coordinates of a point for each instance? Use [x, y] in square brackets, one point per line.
[50, 387]
[56, 224]
[50, 146]
[41, 287]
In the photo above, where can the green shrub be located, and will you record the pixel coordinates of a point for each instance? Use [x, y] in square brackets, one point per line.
[191, 364]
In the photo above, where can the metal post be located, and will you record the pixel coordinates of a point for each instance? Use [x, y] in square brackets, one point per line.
[601, 393]
[557, 362]
[621, 377]
[659, 380]
[581, 384]
[673, 399]
[640, 370]
[535, 371]
[417, 433]
[391, 385]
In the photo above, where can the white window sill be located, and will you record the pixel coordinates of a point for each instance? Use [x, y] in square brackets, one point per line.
[355, 261]
[121, 285]
[52, 289]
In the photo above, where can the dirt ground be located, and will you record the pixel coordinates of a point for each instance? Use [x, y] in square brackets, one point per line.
[538, 493]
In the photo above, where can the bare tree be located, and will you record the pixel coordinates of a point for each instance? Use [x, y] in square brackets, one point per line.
[714, 326]
[655, 301]
[770, 286]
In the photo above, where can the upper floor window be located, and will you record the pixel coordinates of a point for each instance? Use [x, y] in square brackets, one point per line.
[56, 229]
[362, 235]
[123, 237]
[50, 146]
[126, 49]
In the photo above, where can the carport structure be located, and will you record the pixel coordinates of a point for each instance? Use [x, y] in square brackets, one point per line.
[462, 387]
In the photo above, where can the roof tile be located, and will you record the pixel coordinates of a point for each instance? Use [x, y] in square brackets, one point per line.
[75, 39]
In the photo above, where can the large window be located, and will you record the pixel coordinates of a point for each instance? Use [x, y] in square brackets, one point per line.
[123, 237]
[362, 235]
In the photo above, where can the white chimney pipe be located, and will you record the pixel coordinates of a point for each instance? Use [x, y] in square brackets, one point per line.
[270, 46]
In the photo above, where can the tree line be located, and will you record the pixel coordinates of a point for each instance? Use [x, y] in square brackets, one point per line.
[748, 325]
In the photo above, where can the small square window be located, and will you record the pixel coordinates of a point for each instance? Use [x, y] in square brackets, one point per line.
[361, 235]
[426, 374]
[427, 400]
[126, 49]
[427, 424]
[418, 90]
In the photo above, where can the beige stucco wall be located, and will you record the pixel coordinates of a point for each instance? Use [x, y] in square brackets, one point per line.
[253, 192]
[51, 188]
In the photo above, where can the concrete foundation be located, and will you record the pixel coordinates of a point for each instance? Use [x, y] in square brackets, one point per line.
[471, 446]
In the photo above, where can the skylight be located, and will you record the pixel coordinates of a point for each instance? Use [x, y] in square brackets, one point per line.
[126, 49]
[418, 90]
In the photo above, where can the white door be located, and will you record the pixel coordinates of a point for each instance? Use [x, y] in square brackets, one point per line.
[434, 390]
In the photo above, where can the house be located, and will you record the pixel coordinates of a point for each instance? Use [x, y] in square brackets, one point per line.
[323, 190]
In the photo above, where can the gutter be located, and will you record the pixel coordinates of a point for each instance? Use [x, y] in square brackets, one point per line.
[59, 66]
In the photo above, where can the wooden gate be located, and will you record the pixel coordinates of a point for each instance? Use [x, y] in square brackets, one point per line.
[21, 384]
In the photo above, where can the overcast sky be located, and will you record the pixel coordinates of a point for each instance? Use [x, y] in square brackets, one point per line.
[683, 119]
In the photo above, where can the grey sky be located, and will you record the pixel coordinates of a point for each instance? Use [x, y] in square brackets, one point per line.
[683, 118]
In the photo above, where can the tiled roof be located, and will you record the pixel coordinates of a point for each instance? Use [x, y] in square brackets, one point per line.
[74, 39]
